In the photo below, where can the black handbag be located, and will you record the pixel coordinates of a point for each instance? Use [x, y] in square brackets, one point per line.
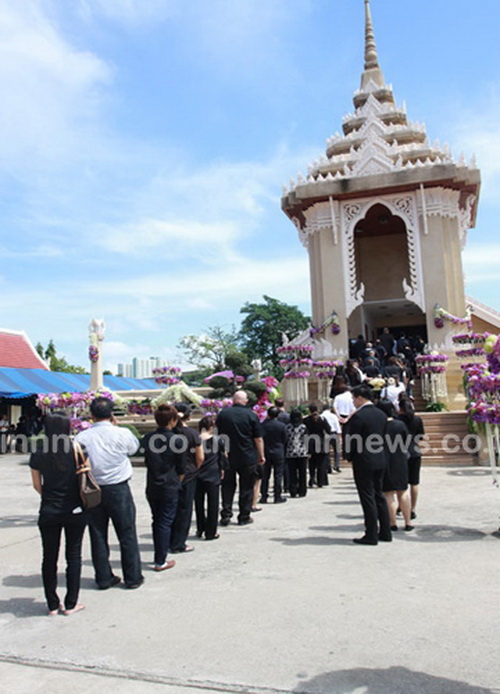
[90, 491]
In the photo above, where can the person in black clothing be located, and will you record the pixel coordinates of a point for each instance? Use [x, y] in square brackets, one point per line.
[395, 482]
[53, 472]
[365, 449]
[194, 459]
[353, 374]
[209, 479]
[318, 431]
[387, 340]
[370, 368]
[246, 451]
[415, 426]
[274, 447]
[165, 471]
[283, 415]
[380, 351]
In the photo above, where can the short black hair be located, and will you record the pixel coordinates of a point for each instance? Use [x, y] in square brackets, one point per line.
[273, 412]
[387, 407]
[295, 417]
[362, 391]
[101, 408]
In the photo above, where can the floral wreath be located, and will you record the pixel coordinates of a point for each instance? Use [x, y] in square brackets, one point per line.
[440, 315]
[332, 320]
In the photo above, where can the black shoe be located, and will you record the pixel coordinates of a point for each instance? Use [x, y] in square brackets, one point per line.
[394, 528]
[413, 515]
[280, 500]
[247, 521]
[133, 586]
[409, 528]
[115, 580]
[224, 522]
[364, 541]
[262, 500]
[385, 538]
[399, 512]
[337, 469]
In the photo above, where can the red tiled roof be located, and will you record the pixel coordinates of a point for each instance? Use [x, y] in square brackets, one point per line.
[17, 352]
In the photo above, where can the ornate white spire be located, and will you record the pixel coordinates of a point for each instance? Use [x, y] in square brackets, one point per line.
[372, 71]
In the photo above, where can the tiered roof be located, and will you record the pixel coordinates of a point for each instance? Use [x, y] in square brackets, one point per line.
[376, 139]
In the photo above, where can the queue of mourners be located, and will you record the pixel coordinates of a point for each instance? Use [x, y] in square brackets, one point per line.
[201, 469]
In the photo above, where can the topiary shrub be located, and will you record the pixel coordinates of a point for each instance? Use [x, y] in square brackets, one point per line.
[256, 387]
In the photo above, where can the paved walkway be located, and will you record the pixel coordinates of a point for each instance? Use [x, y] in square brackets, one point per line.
[288, 604]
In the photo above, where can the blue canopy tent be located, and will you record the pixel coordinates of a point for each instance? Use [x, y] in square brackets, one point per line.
[23, 383]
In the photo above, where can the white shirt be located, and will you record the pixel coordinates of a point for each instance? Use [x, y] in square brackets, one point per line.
[332, 420]
[343, 404]
[392, 394]
[108, 447]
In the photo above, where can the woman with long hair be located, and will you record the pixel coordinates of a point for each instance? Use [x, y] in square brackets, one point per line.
[395, 481]
[415, 426]
[209, 479]
[53, 473]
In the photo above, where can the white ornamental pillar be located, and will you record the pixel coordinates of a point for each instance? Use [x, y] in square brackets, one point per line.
[97, 328]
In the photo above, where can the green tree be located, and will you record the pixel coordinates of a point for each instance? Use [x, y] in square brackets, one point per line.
[58, 363]
[263, 327]
[210, 349]
[51, 351]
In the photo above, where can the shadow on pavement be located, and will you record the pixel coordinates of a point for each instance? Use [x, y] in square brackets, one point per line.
[471, 472]
[35, 581]
[394, 680]
[18, 521]
[340, 503]
[292, 542]
[23, 607]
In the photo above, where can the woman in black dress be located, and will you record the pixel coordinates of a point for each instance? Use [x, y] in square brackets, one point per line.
[209, 479]
[395, 482]
[415, 426]
[53, 472]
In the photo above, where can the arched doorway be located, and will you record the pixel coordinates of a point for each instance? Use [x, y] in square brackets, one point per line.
[383, 269]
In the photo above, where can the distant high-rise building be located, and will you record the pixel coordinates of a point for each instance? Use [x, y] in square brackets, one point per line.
[141, 367]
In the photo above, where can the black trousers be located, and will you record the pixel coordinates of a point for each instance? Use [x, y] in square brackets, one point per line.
[206, 521]
[182, 523]
[163, 504]
[274, 463]
[51, 527]
[318, 465]
[297, 472]
[117, 504]
[247, 474]
[373, 502]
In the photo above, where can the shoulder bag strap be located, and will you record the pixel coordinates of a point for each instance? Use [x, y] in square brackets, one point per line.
[81, 462]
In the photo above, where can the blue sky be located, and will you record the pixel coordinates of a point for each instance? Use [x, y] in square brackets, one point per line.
[144, 143]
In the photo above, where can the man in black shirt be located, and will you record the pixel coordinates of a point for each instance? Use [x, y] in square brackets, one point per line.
[246, 451]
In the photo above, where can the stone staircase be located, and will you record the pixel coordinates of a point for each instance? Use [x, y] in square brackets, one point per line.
[445, 433]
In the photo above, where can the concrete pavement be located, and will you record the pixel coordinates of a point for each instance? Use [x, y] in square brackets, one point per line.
[288, 604]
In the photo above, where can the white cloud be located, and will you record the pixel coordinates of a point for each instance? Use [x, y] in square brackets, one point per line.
[478, 132]
[129, 12]
[50, 89]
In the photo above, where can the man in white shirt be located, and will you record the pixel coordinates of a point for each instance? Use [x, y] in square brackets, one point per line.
[109, 448]
[343, 406]
[335, 436]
